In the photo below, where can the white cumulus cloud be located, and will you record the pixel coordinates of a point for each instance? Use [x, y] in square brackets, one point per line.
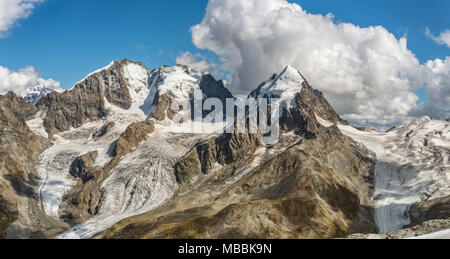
[438, 80]
[23, 80]
[366, 73]
[442, 39]
[13, 10]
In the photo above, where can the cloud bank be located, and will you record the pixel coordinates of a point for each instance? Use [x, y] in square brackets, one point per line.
[23, 80]
[13, 10]
[367, 73]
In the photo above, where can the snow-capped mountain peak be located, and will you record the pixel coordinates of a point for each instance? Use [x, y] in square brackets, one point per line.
[42, 89]
[283, 87]
[176, 81]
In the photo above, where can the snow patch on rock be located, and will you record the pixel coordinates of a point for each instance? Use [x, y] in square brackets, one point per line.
[37, 124]
[95, 72]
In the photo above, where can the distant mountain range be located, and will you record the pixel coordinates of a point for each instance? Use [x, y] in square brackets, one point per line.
[34, 94]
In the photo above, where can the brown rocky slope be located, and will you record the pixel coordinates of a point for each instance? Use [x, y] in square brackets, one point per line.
[19, 151]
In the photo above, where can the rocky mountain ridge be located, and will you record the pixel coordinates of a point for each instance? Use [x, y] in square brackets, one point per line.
[108, 161]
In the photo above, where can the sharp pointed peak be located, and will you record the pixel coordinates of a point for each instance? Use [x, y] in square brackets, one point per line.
[292, 71]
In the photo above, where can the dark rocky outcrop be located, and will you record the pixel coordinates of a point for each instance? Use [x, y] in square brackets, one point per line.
[223, 150]
[105, 129]
[302, 118]
[430, 210]
[132, 137]
[82, 167]
[215, 89]
[163, 108]
[315, 99]
[73, 108]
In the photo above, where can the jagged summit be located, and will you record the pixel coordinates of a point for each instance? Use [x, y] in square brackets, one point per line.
[291, 93]
[283, 86]
[282, 90]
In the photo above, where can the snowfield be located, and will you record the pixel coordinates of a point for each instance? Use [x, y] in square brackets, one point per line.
[438, 235]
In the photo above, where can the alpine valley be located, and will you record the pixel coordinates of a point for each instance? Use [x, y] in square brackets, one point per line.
[105, 159]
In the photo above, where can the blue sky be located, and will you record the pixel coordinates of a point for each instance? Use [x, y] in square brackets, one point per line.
[68, 39]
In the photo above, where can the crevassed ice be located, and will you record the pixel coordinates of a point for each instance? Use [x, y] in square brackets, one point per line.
[411, 167]
[143, 181]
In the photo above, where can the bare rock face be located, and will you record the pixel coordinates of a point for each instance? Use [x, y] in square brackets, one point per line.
[163, 109]
[223, 150]
[19, 151]
[16, 138]
[214, 89]
[132, 137]
[73, 108]
[429, 210]
[86, 101]
[82, 167]
[197, 162]
[17, 106]
[309, 104]
[116, 85]
[313, 98]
